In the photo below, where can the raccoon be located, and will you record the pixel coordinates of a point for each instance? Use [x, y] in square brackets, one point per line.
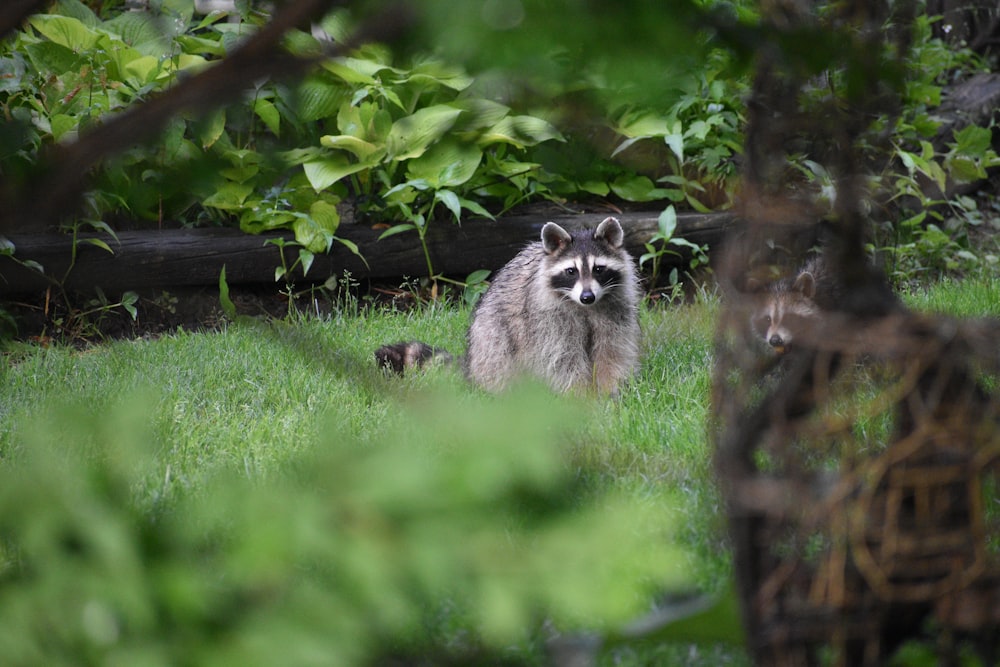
[790, 306]
[564, 310]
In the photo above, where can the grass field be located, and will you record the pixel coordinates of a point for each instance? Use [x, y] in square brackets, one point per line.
[257, 400]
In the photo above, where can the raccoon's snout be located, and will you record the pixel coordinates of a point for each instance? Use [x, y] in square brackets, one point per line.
[587, 297]
[776, 341]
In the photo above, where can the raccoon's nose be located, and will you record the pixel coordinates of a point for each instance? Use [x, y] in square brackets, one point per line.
[587, 297]
[776, 341]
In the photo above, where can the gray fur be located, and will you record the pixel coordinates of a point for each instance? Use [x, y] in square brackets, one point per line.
[525, 326]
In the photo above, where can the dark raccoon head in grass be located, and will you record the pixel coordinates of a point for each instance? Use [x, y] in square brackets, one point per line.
[586, 265]
[786, 308]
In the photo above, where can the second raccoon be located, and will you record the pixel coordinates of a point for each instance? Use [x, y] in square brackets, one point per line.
[564, 310]
[787, 307]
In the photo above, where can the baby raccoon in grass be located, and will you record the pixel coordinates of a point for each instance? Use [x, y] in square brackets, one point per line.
[793, 305]
[564, 310]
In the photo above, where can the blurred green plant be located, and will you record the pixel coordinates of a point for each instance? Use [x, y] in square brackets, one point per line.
[334, 558]
[659, 246]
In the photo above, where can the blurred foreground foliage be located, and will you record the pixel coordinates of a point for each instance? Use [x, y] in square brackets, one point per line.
[345, 555]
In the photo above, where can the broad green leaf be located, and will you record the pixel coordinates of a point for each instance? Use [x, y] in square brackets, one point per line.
[311, 235]
[315, 100]
[269, 115]
[599, 188]
[639, 189]
[196, 44]
[366, 121]
[229, 197]
[62, 125]
[211, 127]
[432, 72]
[77, 10]
[361, 149]
[520, 131]
[645, 125]
[142, 71]
[143, 32]
[412, 135]
[479, 114]
[64, 31]
[324, 172]
[356, 70]
[51, 57]
[963, 169]
[325, 215]
[973, 140]
[446, 164]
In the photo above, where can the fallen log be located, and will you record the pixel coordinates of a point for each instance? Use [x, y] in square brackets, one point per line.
[195, 257]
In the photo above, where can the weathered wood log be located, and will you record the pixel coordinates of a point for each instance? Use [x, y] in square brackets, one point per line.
[195, 257]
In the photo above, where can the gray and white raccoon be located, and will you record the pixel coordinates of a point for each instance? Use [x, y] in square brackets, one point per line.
[564, 310]
[789, 307]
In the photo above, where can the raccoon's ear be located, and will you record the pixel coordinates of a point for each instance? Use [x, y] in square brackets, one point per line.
[554, 237]
[611, 231]
[805, 284]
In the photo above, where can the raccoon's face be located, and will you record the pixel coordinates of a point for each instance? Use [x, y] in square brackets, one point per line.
[785, 312]
[586, 266]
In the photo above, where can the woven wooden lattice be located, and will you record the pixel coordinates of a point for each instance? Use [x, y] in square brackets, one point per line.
[860, 471]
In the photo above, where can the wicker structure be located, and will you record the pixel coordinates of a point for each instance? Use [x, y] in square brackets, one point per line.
[860, 472]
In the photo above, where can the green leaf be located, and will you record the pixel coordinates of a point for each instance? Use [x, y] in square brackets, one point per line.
[129, 300]
[361, 149]
[99, 243]
[520, 131]
[306, 258]
[326, 171]
[446, 164]
[356, 70]
[316, 100]
[450, 200]
[64, 31]
[964, 169]
[211, 127]
[973, 141]
[639, 188]
[411, 136]
[269, 115]
[353, 247]
[325, 215]
[228, 307]
[143, 32]
[675, 140]
[397, 229]
[475, 207]
[667, 223]
[229, 197]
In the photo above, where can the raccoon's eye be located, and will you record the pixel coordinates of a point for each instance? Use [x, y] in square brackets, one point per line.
[571, 271]
[599, 269]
